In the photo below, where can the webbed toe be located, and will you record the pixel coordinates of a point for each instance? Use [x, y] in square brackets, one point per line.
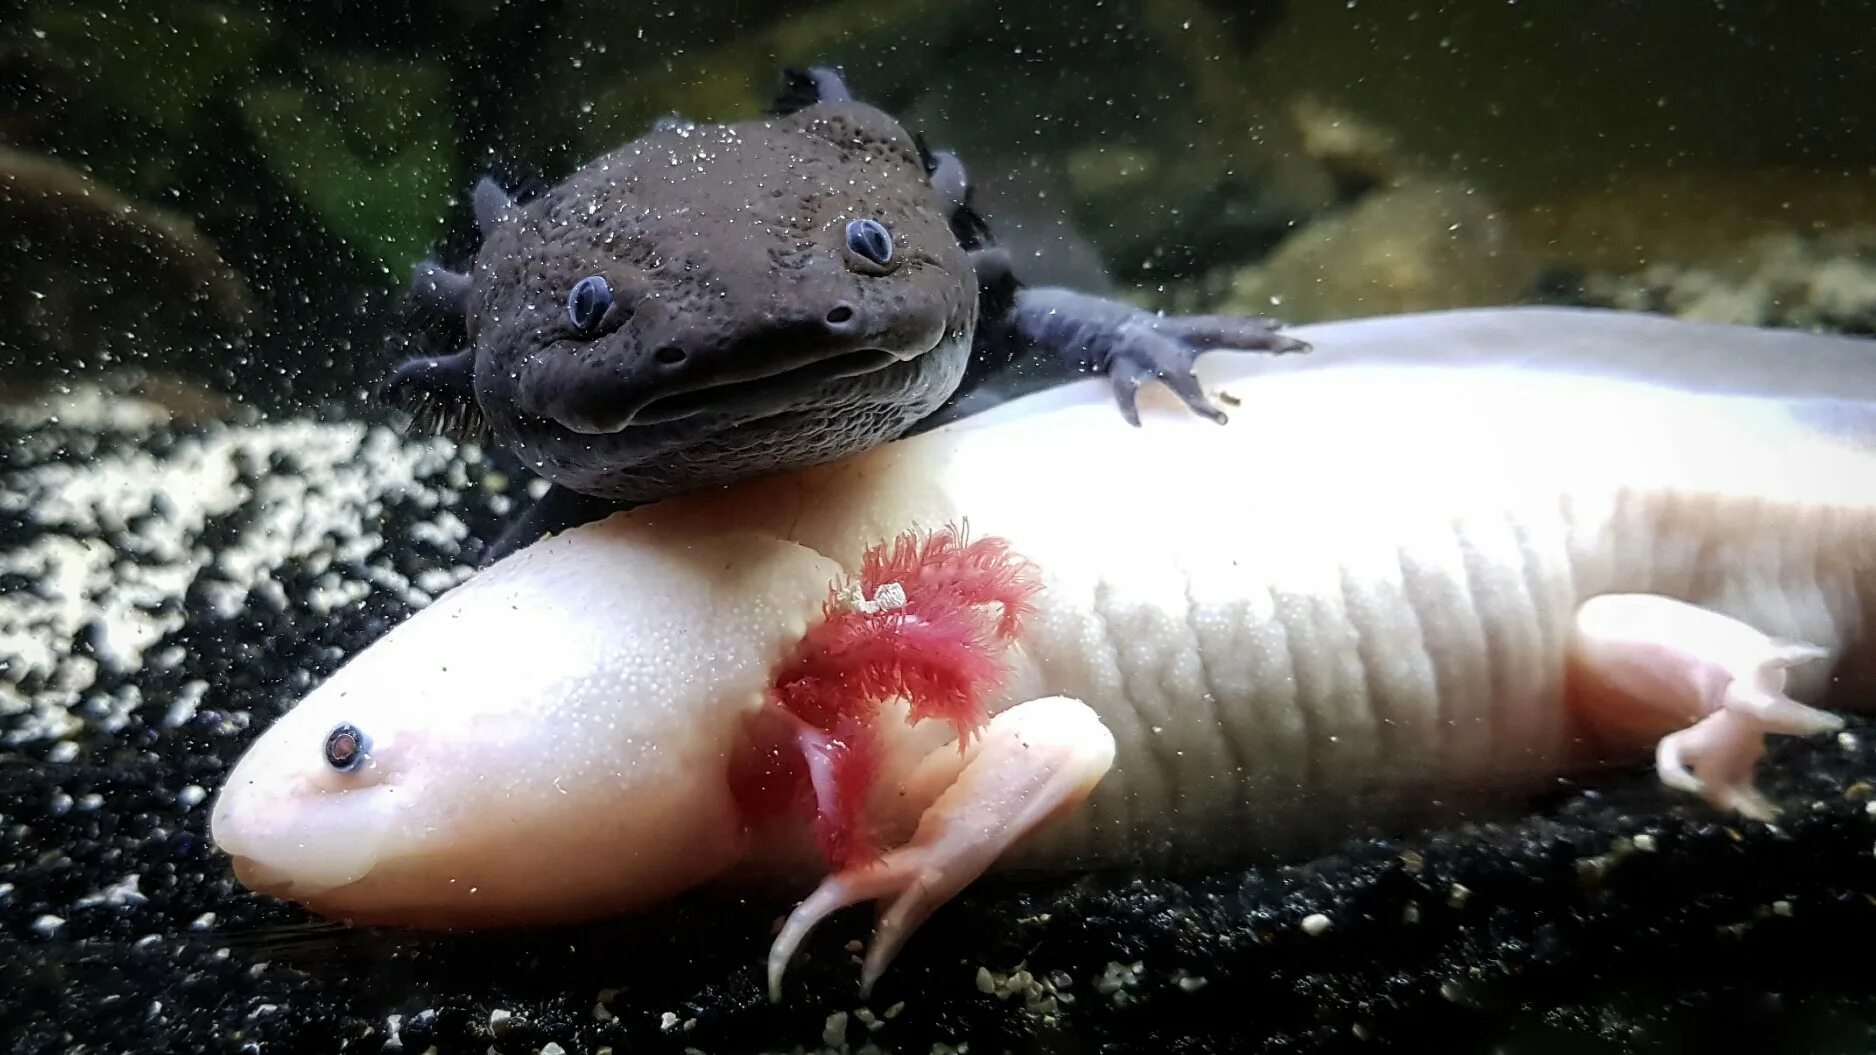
[1140, 352]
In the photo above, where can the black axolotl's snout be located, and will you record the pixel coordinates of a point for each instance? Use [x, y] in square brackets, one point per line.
[680, 368]
[665, 359]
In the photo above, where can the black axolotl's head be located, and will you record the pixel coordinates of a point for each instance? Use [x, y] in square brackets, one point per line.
[709, 302]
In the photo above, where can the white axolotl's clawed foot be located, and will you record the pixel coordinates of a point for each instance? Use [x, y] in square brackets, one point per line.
[1029, 764]
[1711, 687]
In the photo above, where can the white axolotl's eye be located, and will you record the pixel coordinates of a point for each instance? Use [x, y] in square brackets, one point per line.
[346, 747]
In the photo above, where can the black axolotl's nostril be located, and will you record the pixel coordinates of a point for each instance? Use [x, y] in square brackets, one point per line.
[840, 316]
[669, 355]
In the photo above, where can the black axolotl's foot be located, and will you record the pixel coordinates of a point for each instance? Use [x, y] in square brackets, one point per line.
[1086, 334]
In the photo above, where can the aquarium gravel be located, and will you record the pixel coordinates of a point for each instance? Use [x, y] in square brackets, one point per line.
[165, 594]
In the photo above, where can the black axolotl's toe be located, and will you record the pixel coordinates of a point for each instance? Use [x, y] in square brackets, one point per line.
[1147, 346]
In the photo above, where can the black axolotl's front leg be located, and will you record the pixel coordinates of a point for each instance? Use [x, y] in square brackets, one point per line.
[1035, 337]
[1078, 334]
[560, 509]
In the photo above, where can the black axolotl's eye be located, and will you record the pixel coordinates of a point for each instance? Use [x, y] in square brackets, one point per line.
[870, 239]
[346, 747]
[587, 303]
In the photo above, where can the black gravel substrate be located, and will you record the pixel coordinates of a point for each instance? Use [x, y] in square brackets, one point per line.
[1605, 921]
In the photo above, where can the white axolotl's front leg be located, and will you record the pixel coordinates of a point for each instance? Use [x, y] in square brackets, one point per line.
[924, 622]
[1032, 763]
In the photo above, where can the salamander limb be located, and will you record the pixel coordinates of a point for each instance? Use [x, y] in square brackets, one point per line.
[1645, 663]
[1031, 762]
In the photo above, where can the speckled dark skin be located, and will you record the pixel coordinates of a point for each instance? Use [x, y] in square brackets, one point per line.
[744, 331]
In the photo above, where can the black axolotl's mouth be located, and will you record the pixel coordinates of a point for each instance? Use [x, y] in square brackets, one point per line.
[747, 396]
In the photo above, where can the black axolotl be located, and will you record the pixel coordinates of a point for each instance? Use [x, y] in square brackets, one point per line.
[712, 302]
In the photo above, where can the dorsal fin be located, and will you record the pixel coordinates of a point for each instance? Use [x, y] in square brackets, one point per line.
[804, 88]
[438, 392]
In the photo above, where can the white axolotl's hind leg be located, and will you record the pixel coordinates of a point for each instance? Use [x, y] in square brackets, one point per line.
[1030, 763]
[1709, 685]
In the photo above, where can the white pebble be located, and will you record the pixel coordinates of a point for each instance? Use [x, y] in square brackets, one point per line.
[1645, 843]
[834, 1033]
[47, 925]
[1315, 923]
[551, 1048]
[499, 1021]
[191, 796]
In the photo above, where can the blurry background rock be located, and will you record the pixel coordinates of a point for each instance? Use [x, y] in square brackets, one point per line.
[1502, 152]
[1825, 282]
[1414, 245]
[95, 282]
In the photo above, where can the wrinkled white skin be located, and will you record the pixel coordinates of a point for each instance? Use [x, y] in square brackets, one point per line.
[1354, 598]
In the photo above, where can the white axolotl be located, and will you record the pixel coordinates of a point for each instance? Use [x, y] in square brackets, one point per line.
[1441, 559]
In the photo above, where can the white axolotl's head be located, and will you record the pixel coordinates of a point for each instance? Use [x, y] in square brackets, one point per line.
[548, 741]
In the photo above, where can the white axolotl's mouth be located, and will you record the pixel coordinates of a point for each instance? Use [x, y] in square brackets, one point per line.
[282, 849]
[266, 879]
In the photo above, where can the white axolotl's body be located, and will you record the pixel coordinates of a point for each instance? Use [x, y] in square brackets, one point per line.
[1437, 557]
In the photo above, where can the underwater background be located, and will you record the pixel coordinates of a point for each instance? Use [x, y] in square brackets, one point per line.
[208, 216]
